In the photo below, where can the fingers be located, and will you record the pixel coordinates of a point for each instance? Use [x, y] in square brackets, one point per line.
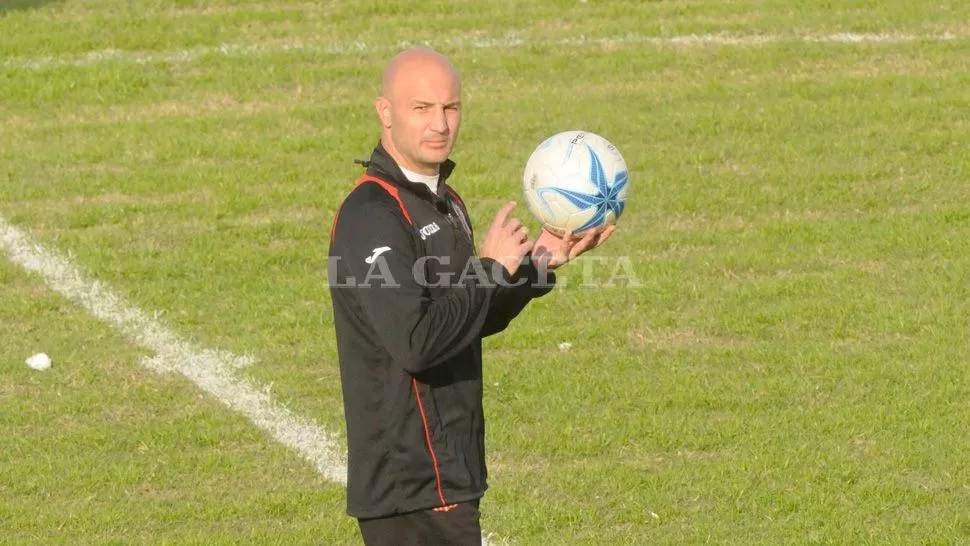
[565, 243]
[520, 233]
[582, 245]
[553, 250]
[502, 215]
[597, 236]
[589, 240]
[513, 260]
[604, 235]
[507, 240]
[516, 230]
[513, 227]
[549, 249]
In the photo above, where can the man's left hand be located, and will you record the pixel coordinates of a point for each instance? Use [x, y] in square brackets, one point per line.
[551, 251]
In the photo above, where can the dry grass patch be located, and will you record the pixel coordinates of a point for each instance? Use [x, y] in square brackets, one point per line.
[679, 339]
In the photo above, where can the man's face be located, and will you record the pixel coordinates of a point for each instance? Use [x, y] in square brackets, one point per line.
[423, 114]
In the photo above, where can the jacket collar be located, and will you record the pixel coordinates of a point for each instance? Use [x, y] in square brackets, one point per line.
[383, 166]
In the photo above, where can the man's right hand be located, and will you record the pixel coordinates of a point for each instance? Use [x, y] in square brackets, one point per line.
[507, 240]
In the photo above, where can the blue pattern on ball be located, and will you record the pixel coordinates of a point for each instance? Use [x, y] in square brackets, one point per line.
[605, 198]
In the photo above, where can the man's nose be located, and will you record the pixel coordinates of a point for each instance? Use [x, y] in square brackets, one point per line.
[439, 121]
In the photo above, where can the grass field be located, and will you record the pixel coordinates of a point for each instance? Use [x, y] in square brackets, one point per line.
[791, 368]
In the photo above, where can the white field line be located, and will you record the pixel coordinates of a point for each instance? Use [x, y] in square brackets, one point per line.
[216, 372]
[180, 56]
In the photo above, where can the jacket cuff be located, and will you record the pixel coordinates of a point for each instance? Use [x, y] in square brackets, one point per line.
[527, 276]
[540, 281]
[495, 272]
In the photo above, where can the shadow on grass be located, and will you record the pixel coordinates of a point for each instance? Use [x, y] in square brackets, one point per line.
[13, 5]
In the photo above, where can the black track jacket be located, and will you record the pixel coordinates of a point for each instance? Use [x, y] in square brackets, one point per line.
[411, 305]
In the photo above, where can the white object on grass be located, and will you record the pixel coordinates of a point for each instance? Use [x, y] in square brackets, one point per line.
[39, 361]
[214, 371]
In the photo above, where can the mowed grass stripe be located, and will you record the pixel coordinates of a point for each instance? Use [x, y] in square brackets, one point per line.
[794, 370]
[188, 55]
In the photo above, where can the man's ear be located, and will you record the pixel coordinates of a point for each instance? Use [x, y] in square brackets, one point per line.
[383, 107]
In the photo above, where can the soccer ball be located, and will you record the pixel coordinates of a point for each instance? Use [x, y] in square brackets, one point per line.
[575, 181]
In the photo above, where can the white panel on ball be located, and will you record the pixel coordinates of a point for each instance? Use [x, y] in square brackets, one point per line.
[575, 181]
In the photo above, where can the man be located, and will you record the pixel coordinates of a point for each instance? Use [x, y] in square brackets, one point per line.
[412, 302]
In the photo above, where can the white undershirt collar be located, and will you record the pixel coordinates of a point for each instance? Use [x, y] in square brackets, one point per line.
[430, 180]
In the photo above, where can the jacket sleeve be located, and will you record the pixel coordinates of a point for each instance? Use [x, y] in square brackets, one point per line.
[509, 301]
[377, 248]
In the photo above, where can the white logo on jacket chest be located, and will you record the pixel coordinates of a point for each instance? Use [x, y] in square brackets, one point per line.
[429, 230]
[377, 252]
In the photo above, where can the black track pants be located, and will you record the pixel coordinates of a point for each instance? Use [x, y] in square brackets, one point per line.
[456, 527]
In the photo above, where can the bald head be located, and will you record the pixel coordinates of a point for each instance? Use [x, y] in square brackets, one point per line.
[411, 62]
[419, 109]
